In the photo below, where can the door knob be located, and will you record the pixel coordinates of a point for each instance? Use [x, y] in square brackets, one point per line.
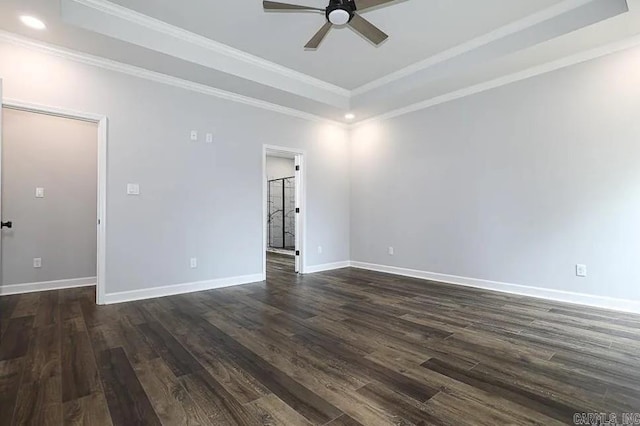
[8, 224]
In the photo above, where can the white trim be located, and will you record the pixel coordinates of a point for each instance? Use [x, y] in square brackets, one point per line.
[209, 44]
[622, 305]
[211, 91]
[171, 290]
[101, 229]
[328, 267]
[508, 79]
[157, 77]
[502, 32]
[46, 286]
[280, 150]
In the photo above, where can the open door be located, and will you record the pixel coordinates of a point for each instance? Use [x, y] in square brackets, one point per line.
[298, 229]
[2, 220]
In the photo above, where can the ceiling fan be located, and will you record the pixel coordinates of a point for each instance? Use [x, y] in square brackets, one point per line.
[339, 12]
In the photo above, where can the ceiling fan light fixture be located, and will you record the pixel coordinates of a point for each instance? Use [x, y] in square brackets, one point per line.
[339, 13]
[339, 17]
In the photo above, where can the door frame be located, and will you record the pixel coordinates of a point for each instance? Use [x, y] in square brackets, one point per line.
[102, 122]
[301, 198]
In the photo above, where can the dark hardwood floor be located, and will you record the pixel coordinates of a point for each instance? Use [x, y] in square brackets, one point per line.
[346, 347]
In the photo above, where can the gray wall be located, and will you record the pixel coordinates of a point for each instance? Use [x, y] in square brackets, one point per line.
[197, 199]
[59, 155]
[278, 167]
[518, 184]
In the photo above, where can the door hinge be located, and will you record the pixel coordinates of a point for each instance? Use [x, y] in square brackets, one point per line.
[297, 209]
[297, 168]
[297, 252]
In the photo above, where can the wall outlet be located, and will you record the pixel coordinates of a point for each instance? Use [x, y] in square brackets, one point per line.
[209, 138]
[194, 135]
[391, 251]
[319, 249]
[581, 270]
[39, 192]
[37, 262]
[193, 263]
[133, 189]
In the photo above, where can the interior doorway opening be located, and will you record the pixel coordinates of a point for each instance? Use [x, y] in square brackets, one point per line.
[283, 212]
[60, 187]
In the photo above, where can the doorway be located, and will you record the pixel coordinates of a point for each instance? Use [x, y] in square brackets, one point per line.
[283, 210]
[52, 199]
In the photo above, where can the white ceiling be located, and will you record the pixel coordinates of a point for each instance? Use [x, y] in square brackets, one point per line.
[418, 29]
[436, 47]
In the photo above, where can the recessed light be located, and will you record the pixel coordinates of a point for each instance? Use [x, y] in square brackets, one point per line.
[349, 116]
[33, 22]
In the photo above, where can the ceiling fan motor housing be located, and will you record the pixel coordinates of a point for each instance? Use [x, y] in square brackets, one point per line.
[340, 12]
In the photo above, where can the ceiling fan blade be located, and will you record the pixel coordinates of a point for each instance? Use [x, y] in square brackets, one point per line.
[367, 29]
[320, 35]
[274, 5]
[366, 4]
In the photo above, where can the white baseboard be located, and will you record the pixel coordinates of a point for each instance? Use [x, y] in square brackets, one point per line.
[46, 286]
[171, 290]
[326, 267]
[622, 305]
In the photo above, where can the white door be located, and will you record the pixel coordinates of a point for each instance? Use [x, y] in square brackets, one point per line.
[299, 213]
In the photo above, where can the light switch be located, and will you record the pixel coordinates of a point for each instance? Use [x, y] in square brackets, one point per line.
[581, 270]
[209, 138]
[39, 192]
[194, 135]
[37, 262]
[133, 189]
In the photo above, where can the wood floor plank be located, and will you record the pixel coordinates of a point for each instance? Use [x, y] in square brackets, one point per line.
[168, 397]
[33, 405]
[343, 347]
[39, 399]
[79, 372]
[220, 365]
[220, 406]
[546, 405]
[7, 306]
[48, 312]
[272, 410]
[306, 402]
[10, 377]
[87, 411]
[179, 360]
[344, 420]
[16, 338]
[27, 305]
[402, 409]
[127, 401]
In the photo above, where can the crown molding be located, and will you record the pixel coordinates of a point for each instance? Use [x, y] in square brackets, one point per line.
[565, 62]
[473, 44]
[157, 77]
[234, 61]
[146, 21]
